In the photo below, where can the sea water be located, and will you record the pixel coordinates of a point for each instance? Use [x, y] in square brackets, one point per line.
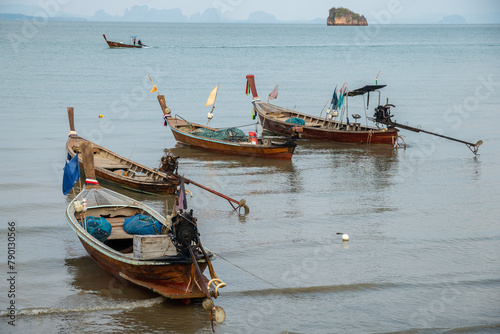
[423, 222]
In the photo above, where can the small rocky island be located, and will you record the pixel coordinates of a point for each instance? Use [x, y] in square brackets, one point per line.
[344, 17]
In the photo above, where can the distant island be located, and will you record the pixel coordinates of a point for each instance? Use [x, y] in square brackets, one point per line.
[344, 17]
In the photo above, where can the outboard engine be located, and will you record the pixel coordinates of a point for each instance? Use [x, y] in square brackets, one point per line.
[184, 231]
[169, 164]
[383, 114]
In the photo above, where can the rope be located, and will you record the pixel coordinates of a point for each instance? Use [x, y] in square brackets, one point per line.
[246, 270]
[238, 126]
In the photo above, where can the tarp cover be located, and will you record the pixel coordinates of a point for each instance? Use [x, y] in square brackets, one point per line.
[142, 224]
[98, 227]
[231, 134]
[296, 120]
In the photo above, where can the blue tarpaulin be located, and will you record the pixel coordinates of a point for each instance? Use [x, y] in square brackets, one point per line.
[142, 224]
[98, 227]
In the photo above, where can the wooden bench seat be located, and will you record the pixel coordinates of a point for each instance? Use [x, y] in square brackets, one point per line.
[112, 166]
[117, 231]
[312, 124]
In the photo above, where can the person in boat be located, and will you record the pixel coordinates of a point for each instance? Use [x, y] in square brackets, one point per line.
[139, 42]
[134, 40]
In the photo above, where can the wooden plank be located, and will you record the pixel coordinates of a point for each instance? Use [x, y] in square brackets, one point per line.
[112, 166]
[151, 246]
[117, 231]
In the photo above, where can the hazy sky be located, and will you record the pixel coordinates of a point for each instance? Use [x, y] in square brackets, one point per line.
[282, 9]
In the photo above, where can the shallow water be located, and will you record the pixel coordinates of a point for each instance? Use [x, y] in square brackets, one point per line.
[423, 222]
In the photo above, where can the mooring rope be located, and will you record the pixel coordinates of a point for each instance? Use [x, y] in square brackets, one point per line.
[246, 270]
[370, 134]
[239, 126]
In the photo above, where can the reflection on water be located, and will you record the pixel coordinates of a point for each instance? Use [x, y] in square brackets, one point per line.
[364, 172]
[87, 276]
[141, 308]
[187, 153]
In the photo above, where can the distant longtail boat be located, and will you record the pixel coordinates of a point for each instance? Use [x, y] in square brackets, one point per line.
[123, 45]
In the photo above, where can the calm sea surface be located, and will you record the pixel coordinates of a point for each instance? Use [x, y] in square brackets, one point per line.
[423, 255]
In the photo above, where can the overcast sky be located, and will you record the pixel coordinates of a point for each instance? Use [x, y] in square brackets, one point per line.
[282, 9]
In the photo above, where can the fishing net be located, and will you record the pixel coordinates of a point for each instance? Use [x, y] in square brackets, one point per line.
[230, 134]
[98, 227]
[142, 224]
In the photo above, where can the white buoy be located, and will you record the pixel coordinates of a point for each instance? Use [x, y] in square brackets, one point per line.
[345, 237]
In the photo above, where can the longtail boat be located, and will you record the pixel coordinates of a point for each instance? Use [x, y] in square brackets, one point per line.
[170, 261]
[289, 122]
[123, 45]
[113, 168]
[332, 127]
[234, 141]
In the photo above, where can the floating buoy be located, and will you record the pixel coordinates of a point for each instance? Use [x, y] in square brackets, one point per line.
[345, 237]
[220, 314]
[208, 304]
[101, 116]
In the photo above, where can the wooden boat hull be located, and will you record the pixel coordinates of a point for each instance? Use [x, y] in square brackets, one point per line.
[317, 128]
[170, 280]
[153, 182]
[244, 149]
[120, 45]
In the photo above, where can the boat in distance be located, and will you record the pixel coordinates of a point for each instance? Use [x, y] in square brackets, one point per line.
[113, 168]
[113, 45]
[115, 231]
[233, 142]
[289, 122]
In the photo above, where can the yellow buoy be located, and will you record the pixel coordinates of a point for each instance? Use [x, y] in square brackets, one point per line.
[101, 116]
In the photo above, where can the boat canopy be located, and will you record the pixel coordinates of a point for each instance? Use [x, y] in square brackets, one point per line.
[365, 89]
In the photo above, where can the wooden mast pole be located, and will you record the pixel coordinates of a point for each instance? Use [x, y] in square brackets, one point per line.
[88, 164]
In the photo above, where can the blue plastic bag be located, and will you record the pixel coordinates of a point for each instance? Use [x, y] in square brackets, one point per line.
[98, 227]
[142, 224]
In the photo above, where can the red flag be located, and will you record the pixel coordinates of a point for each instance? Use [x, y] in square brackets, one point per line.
[251, 87]
[274, 94]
